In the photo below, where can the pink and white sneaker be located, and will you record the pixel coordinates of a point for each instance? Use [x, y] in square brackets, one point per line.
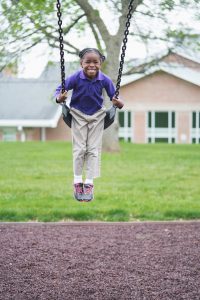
[78, 191]
[88, 194]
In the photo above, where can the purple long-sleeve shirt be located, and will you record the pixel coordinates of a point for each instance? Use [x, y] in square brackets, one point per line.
[87, 93]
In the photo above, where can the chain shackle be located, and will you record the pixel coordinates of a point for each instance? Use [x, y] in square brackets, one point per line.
[62, 60]
[126, 32]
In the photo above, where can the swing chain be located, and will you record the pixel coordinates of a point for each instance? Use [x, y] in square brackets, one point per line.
[126, 32]
[62, 61]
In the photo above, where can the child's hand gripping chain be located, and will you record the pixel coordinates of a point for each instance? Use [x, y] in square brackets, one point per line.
[117, 102]
[61, 97]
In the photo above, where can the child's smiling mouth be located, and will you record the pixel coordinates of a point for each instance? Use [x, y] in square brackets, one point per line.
[91, 71]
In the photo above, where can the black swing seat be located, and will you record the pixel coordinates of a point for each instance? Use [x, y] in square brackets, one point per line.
[109, 118]
[67, 117]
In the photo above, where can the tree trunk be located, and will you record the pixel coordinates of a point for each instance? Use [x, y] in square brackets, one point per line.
[110, 137]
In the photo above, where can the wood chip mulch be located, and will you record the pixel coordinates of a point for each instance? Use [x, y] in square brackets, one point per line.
[101, 261]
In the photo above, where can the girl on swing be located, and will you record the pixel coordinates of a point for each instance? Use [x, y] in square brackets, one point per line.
[88, 113]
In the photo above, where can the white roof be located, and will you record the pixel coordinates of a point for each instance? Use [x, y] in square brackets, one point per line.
[189, 55]
[28, 103]
[177, 70]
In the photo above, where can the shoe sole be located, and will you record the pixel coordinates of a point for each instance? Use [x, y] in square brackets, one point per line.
[82, 200]
[86, 200]
[77, 199]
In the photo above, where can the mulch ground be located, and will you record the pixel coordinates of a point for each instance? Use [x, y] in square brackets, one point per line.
[80, 261]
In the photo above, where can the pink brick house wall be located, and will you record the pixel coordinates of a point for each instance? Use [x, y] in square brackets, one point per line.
[61, 132]
[161, 92]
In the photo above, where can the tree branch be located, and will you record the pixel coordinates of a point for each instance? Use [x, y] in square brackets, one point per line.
[67, 29]
[49, 35]
[96, 36]
[93, 17]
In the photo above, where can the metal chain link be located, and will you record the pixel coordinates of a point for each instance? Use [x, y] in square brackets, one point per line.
[62, 61]
[126, 32]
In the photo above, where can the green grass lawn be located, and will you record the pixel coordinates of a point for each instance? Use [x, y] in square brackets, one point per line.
[142, 182]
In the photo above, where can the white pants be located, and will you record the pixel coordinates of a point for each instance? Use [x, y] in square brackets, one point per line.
[87, 134]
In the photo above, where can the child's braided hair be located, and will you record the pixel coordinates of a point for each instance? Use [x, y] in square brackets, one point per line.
[86, 50]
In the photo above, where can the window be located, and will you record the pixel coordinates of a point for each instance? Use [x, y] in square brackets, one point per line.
[161, 127]
[9, 134]
[161, 120]
[125, 125]
[195, 127]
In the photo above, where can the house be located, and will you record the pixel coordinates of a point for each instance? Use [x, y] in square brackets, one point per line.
[28, 110]
[162, 104]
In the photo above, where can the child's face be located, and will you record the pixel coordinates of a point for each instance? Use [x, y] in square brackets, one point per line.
[91, 64]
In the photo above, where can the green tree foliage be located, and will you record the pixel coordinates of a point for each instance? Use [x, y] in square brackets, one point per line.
[26, 23]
